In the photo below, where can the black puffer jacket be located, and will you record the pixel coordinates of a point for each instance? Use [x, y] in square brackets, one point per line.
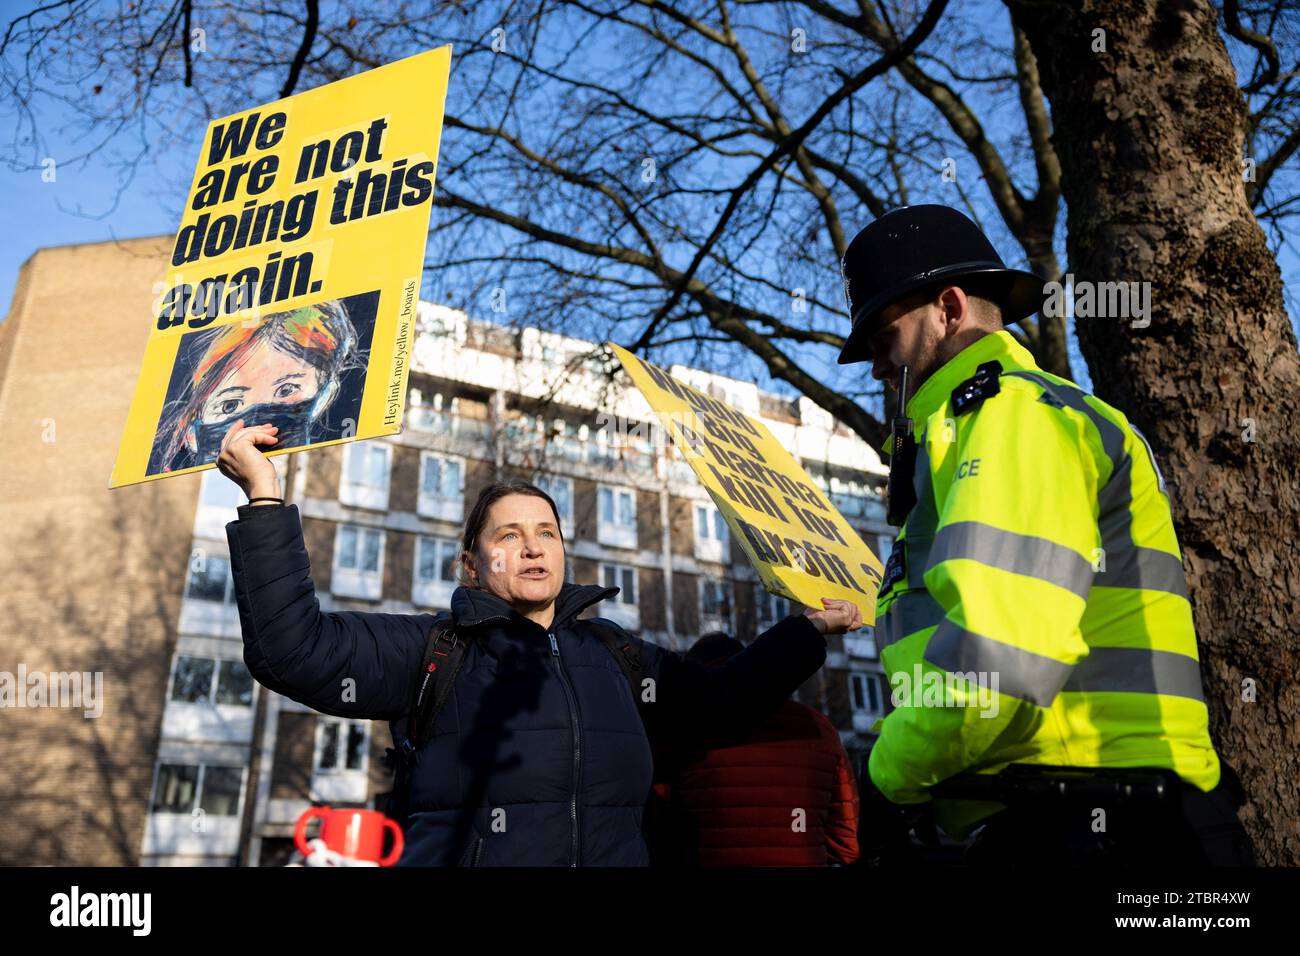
[539, 756]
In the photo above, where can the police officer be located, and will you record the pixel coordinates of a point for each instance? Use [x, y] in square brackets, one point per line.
[1033, 617]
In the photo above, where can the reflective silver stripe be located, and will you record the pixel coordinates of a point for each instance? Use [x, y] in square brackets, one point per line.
[911, 611]
[1146, 568]
[1151, 453]
[1112, 437]
[1018, 553]
[1136, 670]
[917, 559]
[1127, 565]
[1115, 511]
[1021, 674]
[918, 530]
[925, 514]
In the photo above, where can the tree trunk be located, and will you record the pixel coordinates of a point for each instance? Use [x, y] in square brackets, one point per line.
[1150, 132]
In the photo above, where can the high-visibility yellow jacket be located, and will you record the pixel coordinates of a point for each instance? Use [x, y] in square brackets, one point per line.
[1040, 564]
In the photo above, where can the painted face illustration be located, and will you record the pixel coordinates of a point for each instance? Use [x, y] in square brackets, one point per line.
[268, 376]
[270, 388]
[286, 370]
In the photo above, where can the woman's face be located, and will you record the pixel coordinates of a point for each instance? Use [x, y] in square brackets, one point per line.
[268, 375]
[520, 556]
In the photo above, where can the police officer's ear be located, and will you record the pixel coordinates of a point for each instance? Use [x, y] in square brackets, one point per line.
[967, 308]
[955, 308]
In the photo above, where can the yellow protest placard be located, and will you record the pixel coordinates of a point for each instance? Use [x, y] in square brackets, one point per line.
[291, 292]
[800, 545]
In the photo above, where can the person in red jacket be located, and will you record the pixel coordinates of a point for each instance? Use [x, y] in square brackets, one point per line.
[784, 795]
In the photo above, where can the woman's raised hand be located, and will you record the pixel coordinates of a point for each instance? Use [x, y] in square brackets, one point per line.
[242, 462]
[838, 617]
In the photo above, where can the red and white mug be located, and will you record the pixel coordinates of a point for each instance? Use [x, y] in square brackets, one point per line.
[354, 833]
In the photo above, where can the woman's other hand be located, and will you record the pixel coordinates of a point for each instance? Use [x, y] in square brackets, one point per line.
[243, 463]
[837, 617]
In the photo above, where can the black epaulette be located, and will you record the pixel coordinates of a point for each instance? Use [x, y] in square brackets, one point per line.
[983, 384]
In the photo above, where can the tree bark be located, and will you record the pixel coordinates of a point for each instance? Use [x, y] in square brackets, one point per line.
[1150, 136]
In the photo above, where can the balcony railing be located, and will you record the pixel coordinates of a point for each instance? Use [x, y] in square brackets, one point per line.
[441, 422]
[857, 506]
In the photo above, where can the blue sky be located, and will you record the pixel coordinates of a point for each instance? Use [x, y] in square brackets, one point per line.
[79, 207]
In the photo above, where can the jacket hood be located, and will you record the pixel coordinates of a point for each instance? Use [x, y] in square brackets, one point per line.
[471, 606]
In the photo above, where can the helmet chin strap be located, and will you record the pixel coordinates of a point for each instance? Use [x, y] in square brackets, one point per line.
[902, 456]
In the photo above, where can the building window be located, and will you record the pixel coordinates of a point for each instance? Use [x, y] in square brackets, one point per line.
[366, 467]
[359, 548]
[437, 559]
[176, 788]
[210, 579]
[600, 451]
[680, 471]
[192, 680]
[439, 416]
[358, 562]
[341, 760]
[620, 576]
[623, 608]
[861, 643]
[561, 492]
[219, 790]
[866, 696]
[616, 524]
[525, 431]
[853, 498]
[202, 680]
[209, 606]
[234, 684]
[715, 606]
[563, 441]
[218, 499]
[768, 607]
[711, 541]
[435, 571]
[442, 487]
[340, 745]
[183, 788]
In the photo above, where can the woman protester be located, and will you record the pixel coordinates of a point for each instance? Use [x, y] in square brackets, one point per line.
[541, 754]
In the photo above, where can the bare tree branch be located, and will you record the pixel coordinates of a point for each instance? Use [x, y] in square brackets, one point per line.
[309, 36]
[1232, 22]
[899, 53]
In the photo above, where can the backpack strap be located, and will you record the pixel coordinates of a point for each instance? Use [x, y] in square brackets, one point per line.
[621, 645]
[443, 656]
[444, 653]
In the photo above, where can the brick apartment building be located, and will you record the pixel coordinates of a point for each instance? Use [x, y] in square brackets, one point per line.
[191, 762]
